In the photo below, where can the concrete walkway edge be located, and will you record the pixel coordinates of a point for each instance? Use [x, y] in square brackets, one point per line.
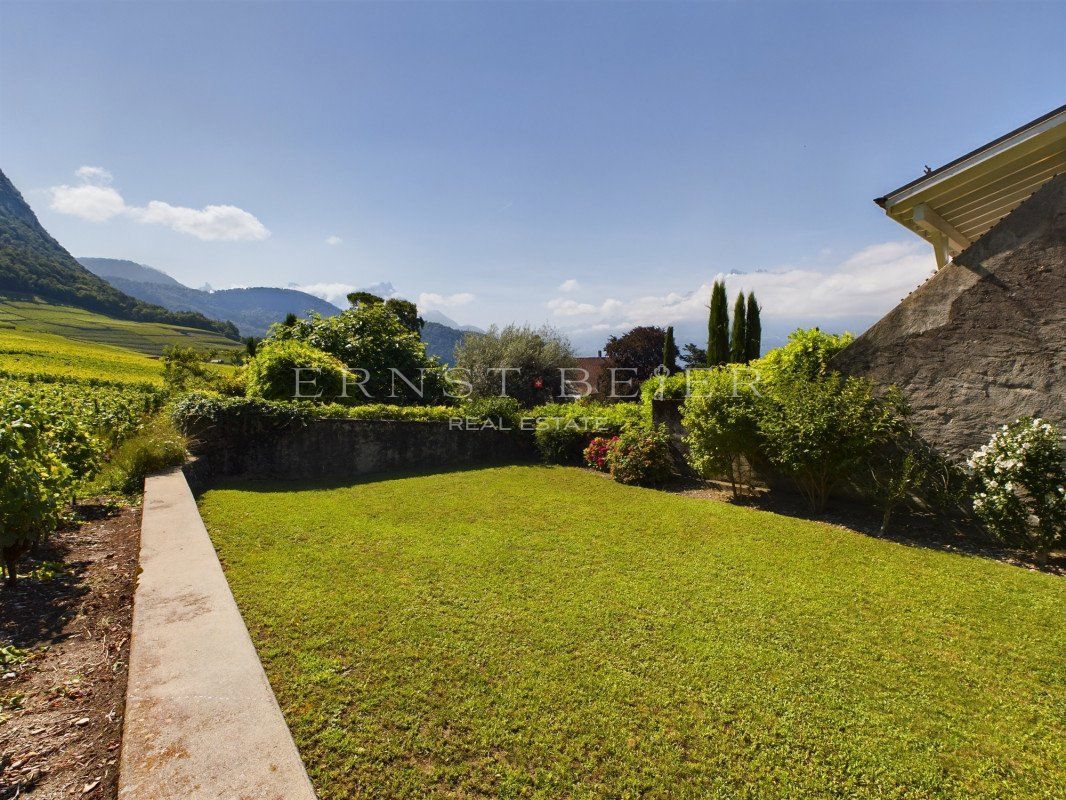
[202, 722]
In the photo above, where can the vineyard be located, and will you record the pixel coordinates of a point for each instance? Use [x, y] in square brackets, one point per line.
[79, 325]
[28, 355]
[55, 437]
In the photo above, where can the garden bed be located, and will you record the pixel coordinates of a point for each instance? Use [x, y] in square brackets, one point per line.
[539, 632]
[63, 692]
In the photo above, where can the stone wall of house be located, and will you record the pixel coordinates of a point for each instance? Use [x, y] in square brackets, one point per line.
[984, 340]
[339, 449]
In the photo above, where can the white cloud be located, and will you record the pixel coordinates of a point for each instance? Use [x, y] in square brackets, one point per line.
[210, 223]
[565, 307]
[569, 286]
[431, 300]
[336, 293]
[333, 241]
[96, 202]
[94, 175]
[870, 282]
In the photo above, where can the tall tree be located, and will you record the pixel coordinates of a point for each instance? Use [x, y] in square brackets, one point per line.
[738, 340]
[718, 327]
[753, 334]
[635, 355]
[693, 356]
[670, 352]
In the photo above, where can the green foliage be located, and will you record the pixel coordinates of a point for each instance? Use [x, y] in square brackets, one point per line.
[538, 354]
[272, 374]
[822, 432]
[721, 421]
[641, 457]
[356, 299]
[158, 446]
[201, 415]
[738, 336]
[805, 356]
[693, 356]
[406, 312]
[371, 342]
[34, 482]
[670, 351]
[502, 412]
[636, 354]
[718, 327]
[1021, 485]
[564, 430]
[752, 330]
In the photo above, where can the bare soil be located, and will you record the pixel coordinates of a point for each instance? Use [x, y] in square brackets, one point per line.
[62, 695]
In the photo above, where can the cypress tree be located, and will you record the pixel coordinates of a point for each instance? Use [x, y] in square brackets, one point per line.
[738, 340]
[718, 327]
[670, 350]
[753, 334]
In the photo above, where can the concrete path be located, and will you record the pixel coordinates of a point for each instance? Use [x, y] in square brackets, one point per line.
[201, 720]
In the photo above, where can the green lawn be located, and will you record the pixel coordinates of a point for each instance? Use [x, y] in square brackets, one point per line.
[536, 632]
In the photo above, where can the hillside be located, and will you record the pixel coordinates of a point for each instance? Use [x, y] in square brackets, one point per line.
[441, 341]
[108, 268]
[32, 263]
[252, 310]
[77, 324]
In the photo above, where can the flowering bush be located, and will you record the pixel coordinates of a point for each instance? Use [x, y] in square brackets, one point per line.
[598, 451]
[641, 457]
[1020, 476]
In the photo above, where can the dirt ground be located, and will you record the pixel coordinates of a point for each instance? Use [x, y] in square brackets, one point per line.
[63, 686]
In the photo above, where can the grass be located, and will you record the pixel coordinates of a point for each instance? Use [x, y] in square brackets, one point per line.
[150, 338]
[538, 632]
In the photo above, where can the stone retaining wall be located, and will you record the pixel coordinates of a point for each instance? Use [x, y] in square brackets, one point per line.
[344, 449]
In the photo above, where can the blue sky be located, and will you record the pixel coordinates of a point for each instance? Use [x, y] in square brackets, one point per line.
[481, 156]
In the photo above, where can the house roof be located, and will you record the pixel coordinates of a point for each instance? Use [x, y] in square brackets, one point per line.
[955, 205]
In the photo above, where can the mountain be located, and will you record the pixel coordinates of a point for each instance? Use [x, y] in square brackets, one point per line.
[252, 310]
[443, 319]
[441, 340]
[33, 263]
[129, 270]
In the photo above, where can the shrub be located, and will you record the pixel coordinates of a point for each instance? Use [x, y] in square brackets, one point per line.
[642, 457]
[538, 353]
[159, 446]
[822, 432]
[33, 481]
[1021, 480]
[370, 340]
[722, 430]
[564, 430]
[271, 375]
[806, 356]
[204, 414]
[501, 412]
[184, 369]
[598, 451]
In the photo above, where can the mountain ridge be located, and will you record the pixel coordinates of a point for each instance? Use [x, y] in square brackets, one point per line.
[34, 264]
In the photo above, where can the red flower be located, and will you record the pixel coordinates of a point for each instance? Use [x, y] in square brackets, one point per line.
[538, 383]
